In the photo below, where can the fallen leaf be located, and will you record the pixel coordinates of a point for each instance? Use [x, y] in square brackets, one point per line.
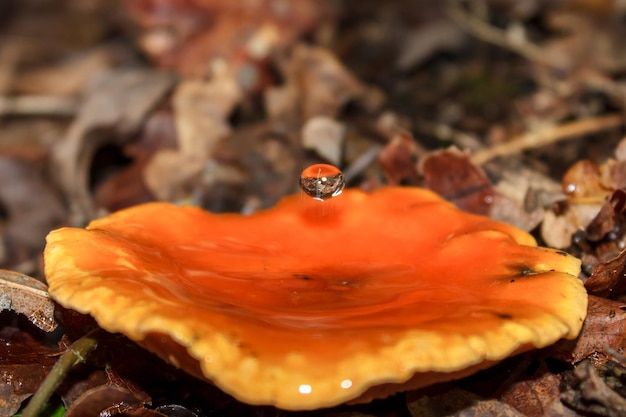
[581, 183]
[201, 111]
[192, 36]
[24, 363]
[604, 327]
[607, 279]
[537, 394]
[325, 136]
[399, 158]
[104, 400]
[451, 174]
[112, 113]
[28, 296]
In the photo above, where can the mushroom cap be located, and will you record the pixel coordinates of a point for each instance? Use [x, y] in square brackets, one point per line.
[382, 291]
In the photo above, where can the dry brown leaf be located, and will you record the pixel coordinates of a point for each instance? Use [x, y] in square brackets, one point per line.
[399, 158]
[201, 111]
[607, 279]
[604, 327]
[113, 112]
[317, 84]
[191, 36]
[28, 296]
[537, 394]
[581, 183]
[451, 174]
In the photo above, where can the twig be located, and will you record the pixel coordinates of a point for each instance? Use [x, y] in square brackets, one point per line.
[76, 353]
[549, 136]
[360, 163]
[38, 105]
[486, 32]
[444, 132]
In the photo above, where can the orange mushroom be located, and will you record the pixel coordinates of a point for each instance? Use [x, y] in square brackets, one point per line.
[394, 289]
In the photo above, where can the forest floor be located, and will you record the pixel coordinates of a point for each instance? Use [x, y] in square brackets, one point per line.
[509, 109]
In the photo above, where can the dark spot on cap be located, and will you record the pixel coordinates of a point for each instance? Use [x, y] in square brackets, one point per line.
[304, 277]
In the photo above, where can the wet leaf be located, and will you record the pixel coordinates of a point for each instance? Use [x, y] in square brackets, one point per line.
[106, 400]
[24, 363]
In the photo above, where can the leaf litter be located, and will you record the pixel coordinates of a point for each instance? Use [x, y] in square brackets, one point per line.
[509, 109]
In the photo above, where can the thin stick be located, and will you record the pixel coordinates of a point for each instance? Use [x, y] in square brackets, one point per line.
[75, 354]
[549, 136]
[484, 31]
[444, 132]
[38, 106]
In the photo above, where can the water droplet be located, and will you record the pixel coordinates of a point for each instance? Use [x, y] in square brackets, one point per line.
[346, 383]
[322, 181]
[570, 188]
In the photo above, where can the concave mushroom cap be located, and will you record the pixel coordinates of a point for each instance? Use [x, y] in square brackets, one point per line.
[309, 305]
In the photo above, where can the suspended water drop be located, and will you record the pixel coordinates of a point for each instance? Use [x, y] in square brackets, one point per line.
[322, 181]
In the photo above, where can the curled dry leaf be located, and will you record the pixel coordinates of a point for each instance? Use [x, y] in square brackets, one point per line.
[125, 186]
[608, 218]
[28, 296]
[602, 240]
[607, 279]
[113, 112]
[317, 84]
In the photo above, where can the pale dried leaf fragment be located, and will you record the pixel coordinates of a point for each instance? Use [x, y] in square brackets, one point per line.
[325, 136]
[28, 296]
[201, 111]
[427, 40]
